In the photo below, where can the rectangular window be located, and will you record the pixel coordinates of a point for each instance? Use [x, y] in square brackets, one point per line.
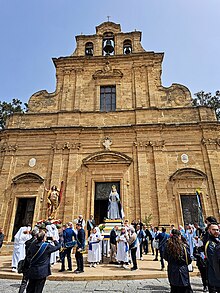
[107, 98]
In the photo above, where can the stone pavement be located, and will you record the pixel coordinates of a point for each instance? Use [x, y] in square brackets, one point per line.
[112, 286]
[148, 269]
[103, 278]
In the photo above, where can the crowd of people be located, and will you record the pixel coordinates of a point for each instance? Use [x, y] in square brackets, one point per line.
[37, 249]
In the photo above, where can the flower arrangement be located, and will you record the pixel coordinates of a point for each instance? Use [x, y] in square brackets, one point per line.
[41, 224]
[101, 227]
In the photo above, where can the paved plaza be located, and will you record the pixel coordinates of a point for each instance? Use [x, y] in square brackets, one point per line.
[112, 286]
[104, 278]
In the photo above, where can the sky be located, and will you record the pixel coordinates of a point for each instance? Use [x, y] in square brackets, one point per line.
[32, 32]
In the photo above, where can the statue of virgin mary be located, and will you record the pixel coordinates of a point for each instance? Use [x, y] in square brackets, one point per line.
[114, 206]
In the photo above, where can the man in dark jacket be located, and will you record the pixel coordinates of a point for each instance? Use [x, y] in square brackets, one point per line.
[80, 248]
[90, 224]
[213, 280]
[28, 243]
[162, 237]
[68, 235]
[113, 247]
[39, 258]
[1, 236]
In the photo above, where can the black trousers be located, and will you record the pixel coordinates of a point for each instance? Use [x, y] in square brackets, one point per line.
[213, 289]
[145, 246]
[133, 257]
[181, 289]
[79, 261]
[66, 253]
[203, 274]
[24, 283]
[35, 286]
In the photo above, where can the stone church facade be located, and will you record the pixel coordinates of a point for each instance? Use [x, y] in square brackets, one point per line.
[110, 121]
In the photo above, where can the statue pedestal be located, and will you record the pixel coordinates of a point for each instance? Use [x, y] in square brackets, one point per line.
[109, 225]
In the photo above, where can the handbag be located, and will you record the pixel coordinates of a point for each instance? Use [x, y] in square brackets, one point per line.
[21, 266]
[190, 266]
[155, 244]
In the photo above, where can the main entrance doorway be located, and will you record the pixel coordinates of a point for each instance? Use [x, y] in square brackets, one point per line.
[102, 191]
[190, 209]
[24, 213]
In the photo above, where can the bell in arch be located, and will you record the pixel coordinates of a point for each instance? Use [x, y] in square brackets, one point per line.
[108, 48]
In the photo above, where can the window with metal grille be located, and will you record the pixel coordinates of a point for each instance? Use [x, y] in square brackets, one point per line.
[107, 98]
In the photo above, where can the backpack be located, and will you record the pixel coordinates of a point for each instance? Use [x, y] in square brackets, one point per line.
[216, 257]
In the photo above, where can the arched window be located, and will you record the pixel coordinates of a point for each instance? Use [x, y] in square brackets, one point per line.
[108, 44]
[89, 49]
[127, 47]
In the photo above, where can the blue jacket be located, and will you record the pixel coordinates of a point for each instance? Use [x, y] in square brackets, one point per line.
[41, 268]
[68, 235]
[162, 237]
[140, 235]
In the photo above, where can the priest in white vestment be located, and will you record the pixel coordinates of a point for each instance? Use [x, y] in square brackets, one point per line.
[19, 246]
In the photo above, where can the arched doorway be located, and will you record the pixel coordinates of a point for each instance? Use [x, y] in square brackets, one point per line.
[185, 185]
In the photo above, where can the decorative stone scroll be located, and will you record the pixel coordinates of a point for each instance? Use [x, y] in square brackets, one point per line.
[155, 144]
[211, 141]
[42, 101]
[177, 95]
[107, 72]
[66, 145]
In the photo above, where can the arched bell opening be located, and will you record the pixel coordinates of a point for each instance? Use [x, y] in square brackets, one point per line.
[108, 47]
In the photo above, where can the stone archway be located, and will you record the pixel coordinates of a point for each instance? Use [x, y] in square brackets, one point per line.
[25, 204]
[105, 168]
[184, 183]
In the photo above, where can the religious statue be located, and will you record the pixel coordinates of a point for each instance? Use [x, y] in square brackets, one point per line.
[114, 206]
[53, 199]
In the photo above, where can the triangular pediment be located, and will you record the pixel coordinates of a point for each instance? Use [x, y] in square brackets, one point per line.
[107, 157]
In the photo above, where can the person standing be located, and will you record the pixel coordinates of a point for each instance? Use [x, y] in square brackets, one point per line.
[132, 241]
[152, 238]
[38, 257]
[90, 224]
[68, 235]
[28, 243]
[190, 238]
[156, 242]
[177, 255]
[113, 245]
[162, 237]
[148, 237]
[213, 278]
[19, 246]
[81, 221]
[80, 248]
[199, 255]
[140, 237]
[94, 255]
[122, 249]
[1, 237]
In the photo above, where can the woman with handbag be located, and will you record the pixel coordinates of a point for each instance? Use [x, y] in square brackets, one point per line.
[178, 257]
